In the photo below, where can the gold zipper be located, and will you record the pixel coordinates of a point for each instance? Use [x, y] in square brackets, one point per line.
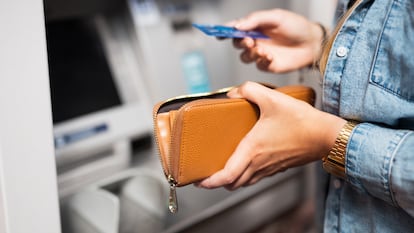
[155, 112]
[172, 199]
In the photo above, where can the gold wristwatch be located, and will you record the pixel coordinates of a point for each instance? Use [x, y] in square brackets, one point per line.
[334, 162]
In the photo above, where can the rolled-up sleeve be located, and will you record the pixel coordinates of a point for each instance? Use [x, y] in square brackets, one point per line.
[380, 161]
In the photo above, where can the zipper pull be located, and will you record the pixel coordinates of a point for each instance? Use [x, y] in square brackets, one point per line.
[172, 199]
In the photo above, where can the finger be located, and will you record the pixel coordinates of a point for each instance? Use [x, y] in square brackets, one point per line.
[259, 175]
[245, 43]
[221, 38]
[254, 92]
[246, 150]
[234, 168]
[237, 43]
[221, 178]
[242, 180]
[234, 93]
[248, 56]
[263, 63]
[260, 166]
[228, 24]
[232, 23]
[259, 19]
[264, 59]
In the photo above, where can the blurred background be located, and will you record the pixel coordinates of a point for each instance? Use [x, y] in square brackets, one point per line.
[79, 79]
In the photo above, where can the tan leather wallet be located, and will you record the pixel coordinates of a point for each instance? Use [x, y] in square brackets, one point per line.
[196, 134]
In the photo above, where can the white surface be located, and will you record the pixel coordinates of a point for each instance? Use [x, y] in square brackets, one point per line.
[28, 192]
[86, 173]
[322, 11]
[94, 211]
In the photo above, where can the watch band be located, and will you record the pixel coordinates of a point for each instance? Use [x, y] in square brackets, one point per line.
[334, 162]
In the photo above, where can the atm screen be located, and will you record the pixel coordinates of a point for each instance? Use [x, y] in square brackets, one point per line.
[81, 81]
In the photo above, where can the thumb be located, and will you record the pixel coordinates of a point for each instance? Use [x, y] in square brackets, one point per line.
[258, 19]
[252, 91]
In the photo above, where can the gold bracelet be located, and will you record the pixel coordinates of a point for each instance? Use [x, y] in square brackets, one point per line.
[334, 162]
[324, 33]
[325, 38]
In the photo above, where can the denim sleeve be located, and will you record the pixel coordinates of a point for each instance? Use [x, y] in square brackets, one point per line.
[380, 161]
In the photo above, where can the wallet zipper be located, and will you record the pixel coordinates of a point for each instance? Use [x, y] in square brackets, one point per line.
[172, 198]
[166, 170]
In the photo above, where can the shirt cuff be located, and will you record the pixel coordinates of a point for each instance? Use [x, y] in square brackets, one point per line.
[369, 159]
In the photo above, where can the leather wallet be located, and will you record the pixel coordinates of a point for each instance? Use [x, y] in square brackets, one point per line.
[196, 134]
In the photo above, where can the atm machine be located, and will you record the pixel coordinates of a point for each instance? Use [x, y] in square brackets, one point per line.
[109, 63]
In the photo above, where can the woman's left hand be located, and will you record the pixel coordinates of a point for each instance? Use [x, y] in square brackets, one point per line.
[288, 133]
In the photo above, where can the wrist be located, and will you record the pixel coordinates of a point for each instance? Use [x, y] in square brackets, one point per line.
[323, 33]
[324, 133]
[320, 37]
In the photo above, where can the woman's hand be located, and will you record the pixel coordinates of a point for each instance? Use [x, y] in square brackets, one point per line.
[288, 133]
[295, 41]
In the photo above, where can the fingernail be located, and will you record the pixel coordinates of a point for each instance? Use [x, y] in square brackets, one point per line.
[269, 57]
[238, 25]
[249, 43]
[233, 93]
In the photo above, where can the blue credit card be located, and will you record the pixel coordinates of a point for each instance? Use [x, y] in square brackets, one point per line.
[228, 32]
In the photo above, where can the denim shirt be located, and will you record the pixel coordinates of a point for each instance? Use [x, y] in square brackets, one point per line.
[370, 78]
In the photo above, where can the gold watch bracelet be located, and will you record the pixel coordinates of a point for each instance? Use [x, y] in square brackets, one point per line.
[334, 162]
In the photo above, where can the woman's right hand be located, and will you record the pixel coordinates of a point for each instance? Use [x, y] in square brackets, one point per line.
[289, 133]
[295, 41]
